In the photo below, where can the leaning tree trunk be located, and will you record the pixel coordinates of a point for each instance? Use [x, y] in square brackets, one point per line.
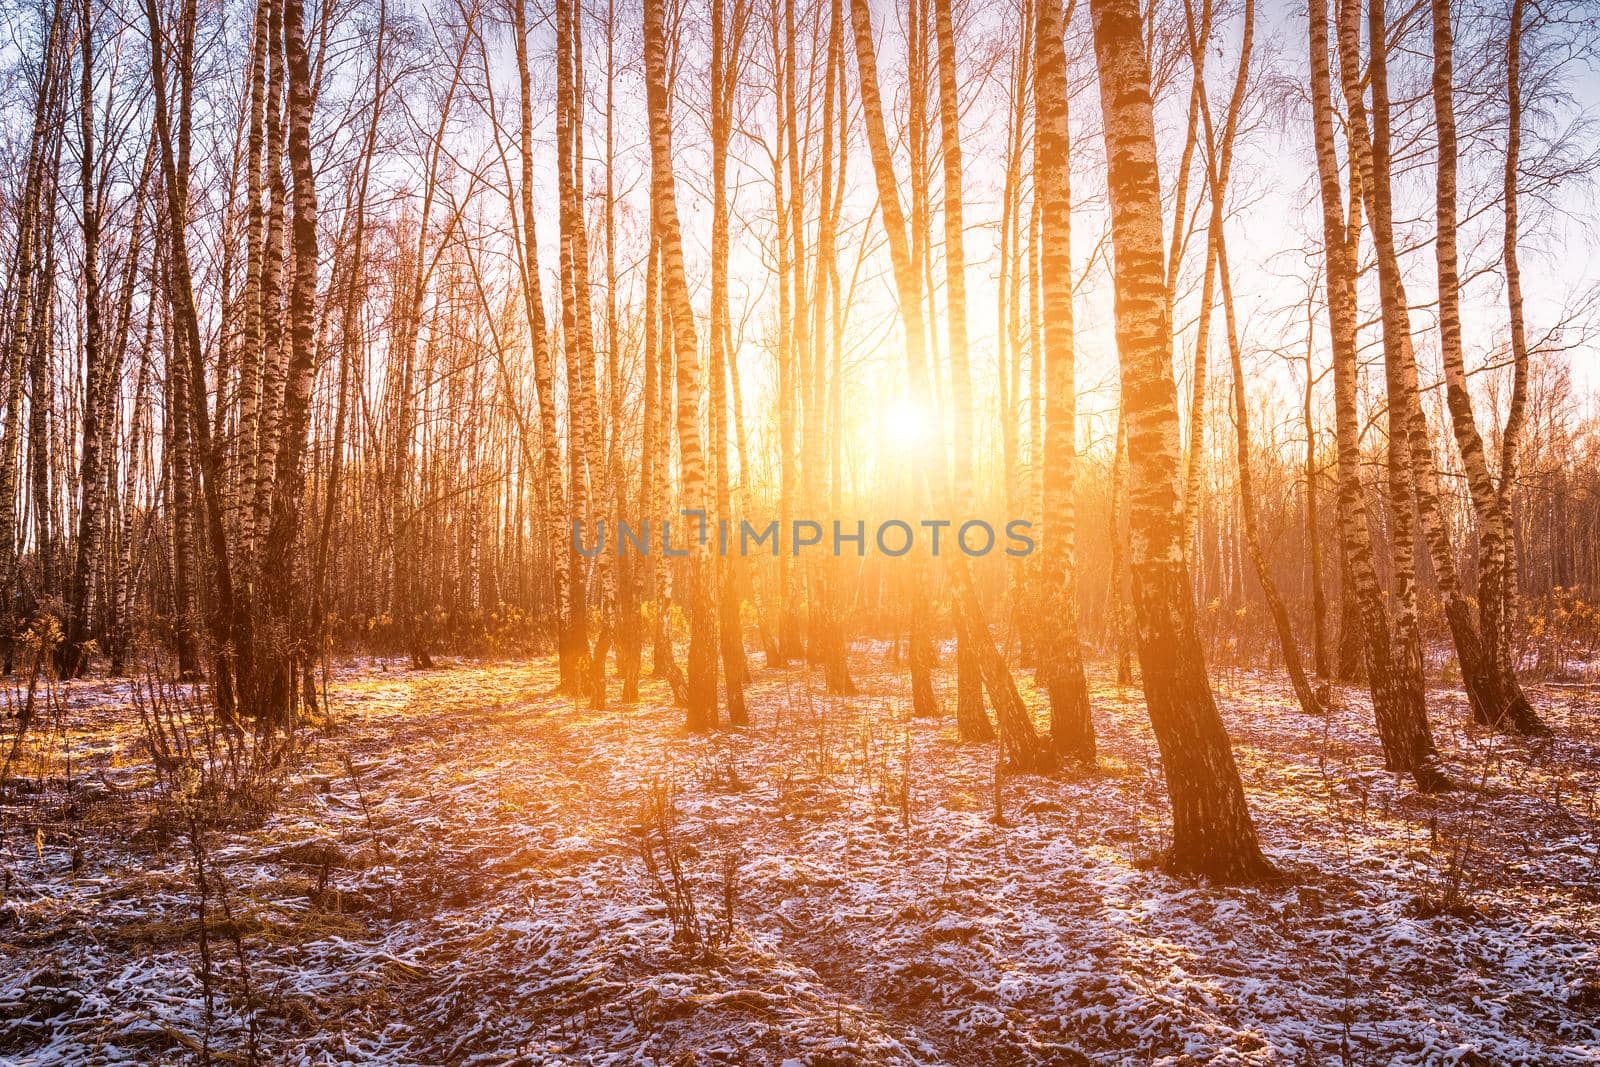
[1493, 531]
[1397, 696]
[1019, 736]
[1411, 450]
[1247, 502]
[1218, 160]
[919, 642]
[1212, 831]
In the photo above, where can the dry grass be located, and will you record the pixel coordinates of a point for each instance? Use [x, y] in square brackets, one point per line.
[459, 874]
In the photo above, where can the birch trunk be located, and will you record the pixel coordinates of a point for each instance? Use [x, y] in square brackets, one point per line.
[287, 630]
[554, 529]
[1061, 659]
[1516, 415]
[1397, 696]
[1212, 831]
[1513, 709]
[576, 335]
[1410, 442]
[726, 42]
[97, 372]
[701, 689]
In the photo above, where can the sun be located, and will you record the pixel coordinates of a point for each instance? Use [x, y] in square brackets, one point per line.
[905, 422]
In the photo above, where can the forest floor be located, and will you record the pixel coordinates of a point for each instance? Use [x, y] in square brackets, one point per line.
[456, 874]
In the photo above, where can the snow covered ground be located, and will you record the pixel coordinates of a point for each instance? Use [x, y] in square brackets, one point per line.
[457, 875]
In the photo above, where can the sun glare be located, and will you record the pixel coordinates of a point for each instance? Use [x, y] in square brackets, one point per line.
[905, 422]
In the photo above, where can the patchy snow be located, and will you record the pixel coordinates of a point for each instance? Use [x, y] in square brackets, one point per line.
[476, 892]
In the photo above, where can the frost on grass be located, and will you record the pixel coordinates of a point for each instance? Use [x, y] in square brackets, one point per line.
[471, 870]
